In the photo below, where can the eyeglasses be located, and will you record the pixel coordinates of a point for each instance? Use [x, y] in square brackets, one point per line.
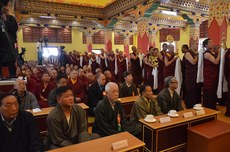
[9, 105]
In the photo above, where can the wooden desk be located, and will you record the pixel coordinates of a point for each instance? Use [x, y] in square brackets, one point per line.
[172, 135]
[41, 117]
[127, 103]
[105, 144]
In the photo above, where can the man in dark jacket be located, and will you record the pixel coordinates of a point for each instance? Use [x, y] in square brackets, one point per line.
[18, 129]
[8, 38]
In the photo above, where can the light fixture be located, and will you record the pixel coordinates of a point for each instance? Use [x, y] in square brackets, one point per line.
[169, 13]
[197, 0]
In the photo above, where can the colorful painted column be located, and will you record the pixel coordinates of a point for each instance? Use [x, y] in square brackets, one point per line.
[89, 41]
[126, 46]
[108, 40]
[194, 34]
[218, 20]
[143, 39]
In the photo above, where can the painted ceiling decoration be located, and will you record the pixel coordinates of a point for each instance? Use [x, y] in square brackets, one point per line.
[90, 3]
[118, 15]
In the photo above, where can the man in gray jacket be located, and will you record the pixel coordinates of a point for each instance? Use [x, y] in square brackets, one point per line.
[26, 99]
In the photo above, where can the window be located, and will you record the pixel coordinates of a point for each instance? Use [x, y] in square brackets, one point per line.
[119, 39]
[50, 51]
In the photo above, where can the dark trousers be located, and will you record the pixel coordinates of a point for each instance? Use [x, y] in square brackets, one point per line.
[39, 58]
[11, 67]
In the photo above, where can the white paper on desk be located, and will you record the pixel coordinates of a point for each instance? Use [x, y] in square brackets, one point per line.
[36, 110]
[120, 144]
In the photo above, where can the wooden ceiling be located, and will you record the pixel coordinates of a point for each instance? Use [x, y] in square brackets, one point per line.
[90, 3]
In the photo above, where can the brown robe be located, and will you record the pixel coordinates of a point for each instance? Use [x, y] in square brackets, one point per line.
[192, 90]
[227, 76]
[211, 74]
[136, 70]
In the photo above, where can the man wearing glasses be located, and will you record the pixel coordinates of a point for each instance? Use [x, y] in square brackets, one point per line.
[18, 130]
[168, 99]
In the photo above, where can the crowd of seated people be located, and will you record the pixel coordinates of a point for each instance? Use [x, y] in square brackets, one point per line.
[96, 86]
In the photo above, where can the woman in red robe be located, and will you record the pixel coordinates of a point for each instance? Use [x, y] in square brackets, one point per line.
[192, 89]
[211, 74]
[227, 76]
[121, 66]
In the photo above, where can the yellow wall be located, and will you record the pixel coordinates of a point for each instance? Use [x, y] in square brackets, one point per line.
[184, 39]
[76, 44]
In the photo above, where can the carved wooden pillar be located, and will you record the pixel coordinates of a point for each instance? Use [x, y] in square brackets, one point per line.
[143, 39]
[89, 42]
[108, 40]
[126, 46]
[218, 20]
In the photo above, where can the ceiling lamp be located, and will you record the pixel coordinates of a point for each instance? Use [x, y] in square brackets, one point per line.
[169, 13]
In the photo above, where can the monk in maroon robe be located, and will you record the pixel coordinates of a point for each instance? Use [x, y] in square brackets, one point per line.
[31, 83]
[170, 62]
[77, 58]
[211, 74]
[160, 68]
[43, 90]
[148, 67]
[111, 63]
[94, 64]
[77, 86]
[102, 60]
[121, 66]
[227, 76]
[85, 60]
[192, 91]
[136, 68]
[71, 58]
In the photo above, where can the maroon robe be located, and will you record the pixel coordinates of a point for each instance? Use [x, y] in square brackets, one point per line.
[72, 59]
[160, 72]
[121, 67]
[211, 74]
[111, 65]
[31, 85]
[85, 60]
[41, 91]
[148, 77]
[170, 69]
[78, 89]
[227, 76]
[78, 60]
[136, 70]
[192, 90]
[94, 64]
[102, 63]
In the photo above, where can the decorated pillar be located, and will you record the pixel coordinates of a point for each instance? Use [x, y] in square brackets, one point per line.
[152, 35]
[126, 46]
[108, 40]
[194, 34]
[143, 39]
[89, 41]
[218, 20]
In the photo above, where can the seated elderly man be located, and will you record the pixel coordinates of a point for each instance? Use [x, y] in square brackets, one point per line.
[26, 99]
[18, 129]
[144, 105]
[110, 117]
[168, 99]
[95, 93]
[67, 122]
[128, 88]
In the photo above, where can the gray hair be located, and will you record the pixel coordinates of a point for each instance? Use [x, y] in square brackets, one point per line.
[109, 85]
[168, 80]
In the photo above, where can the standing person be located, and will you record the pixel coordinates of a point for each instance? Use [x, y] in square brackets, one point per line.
[8, 39]
[170, 62]
[161, 67]
[40, 50]
[103, 60]
[148, 67]
[227, 76]
[18, 129]
[111, 63]
[121, 66]
[135, 66]
[192, 90]
[211, 74]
